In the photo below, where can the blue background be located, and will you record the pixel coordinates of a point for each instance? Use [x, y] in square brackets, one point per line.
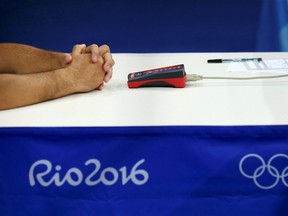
[139, 26]
[192, 170]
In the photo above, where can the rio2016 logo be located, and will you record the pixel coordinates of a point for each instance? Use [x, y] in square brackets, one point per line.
[74, 176]
[270, 170]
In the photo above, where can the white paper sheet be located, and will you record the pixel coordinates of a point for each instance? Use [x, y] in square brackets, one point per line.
[266, 65]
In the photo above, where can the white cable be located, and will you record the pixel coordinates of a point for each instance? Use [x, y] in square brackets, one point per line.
[195, 77]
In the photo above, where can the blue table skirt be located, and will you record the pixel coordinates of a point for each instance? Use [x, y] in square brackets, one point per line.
[167, 170]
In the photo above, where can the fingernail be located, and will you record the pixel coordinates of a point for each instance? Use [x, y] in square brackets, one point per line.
[68, 58]
[107, 67]
[94, 58]
[100, 87]
[107, 79]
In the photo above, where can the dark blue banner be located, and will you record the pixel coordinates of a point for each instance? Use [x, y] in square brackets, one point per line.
[144, 171]
[133, 26]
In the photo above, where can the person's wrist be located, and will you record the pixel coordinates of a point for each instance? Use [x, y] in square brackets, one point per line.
[65, 81]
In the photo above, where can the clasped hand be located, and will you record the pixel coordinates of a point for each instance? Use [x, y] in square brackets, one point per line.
[90, 66]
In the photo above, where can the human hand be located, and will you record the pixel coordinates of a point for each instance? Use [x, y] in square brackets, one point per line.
[85, 74]
[104, 52]
[96, 53]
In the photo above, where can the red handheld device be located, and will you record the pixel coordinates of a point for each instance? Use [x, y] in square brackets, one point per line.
[172, 76]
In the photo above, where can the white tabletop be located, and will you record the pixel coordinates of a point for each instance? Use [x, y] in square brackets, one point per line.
[206, 102]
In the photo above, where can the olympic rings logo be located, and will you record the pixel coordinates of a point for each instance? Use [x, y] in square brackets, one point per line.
[264, 169]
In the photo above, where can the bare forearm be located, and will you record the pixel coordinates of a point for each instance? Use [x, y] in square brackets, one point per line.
[81, 75]
[23, 59]
[21, 90]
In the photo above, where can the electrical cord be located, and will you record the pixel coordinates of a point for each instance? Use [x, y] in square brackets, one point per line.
[196, 77]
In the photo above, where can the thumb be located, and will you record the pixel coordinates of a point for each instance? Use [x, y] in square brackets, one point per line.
[78, 48]
[67, 58]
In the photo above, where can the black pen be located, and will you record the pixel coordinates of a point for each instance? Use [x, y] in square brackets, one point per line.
[233, 60]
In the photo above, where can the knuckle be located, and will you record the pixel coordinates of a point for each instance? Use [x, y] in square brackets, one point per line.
[94, 46]
[105, 47]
